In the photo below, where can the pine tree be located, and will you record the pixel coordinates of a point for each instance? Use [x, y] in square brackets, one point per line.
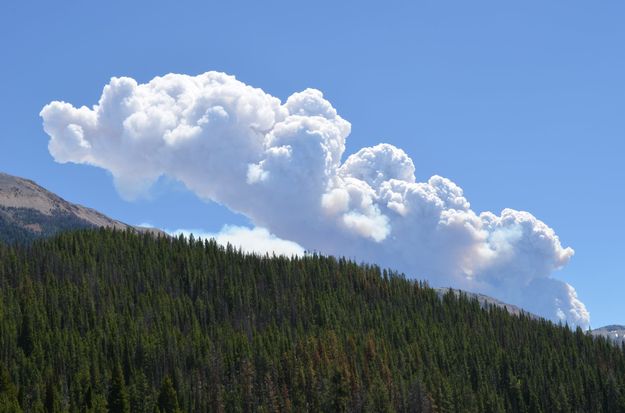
[51, 402]
[141, 399]
[8, 392]
[25, 340]
[340, 391]
[118, 401]
[167, 397]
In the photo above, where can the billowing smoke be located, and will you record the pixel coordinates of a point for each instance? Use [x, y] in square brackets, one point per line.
[280, 164]
[250, 240]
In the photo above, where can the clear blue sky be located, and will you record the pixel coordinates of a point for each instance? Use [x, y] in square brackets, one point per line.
[520, 103]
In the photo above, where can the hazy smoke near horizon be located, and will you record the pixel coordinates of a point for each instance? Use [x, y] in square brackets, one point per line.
[280, 164]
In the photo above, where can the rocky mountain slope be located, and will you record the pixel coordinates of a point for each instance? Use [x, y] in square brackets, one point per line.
[28, 211]
[614, 332]
[486, 301]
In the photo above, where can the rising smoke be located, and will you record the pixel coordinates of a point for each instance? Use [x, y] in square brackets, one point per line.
[280, 165]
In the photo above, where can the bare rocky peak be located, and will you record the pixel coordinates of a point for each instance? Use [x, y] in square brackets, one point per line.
[486, 301]
[26, 205]
[613, 332]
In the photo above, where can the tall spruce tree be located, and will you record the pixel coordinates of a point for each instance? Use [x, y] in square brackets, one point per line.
[167, 397]
[118, 401]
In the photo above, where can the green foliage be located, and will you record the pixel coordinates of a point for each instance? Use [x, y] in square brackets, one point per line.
[51, 401]
[8, 392]
[118, 401]
[25, 340]
[24, 225]
[101, 320]
[167, 398]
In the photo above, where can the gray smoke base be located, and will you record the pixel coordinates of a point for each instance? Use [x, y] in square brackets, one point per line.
[280, 165]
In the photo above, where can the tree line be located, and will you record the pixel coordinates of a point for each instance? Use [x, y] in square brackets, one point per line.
[113, 321]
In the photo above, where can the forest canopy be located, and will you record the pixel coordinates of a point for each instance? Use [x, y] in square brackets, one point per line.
[103, 320]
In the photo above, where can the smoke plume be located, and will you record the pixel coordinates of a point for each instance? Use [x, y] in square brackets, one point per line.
[280, 164]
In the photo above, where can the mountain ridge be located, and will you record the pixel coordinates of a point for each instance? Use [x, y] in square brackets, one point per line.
[486, 301]
[613, 332]
[29, 211]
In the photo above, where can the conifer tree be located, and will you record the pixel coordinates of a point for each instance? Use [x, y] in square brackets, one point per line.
[167, 397]
[118, 401]
[51, 399]
[25, 340]
[8, 392]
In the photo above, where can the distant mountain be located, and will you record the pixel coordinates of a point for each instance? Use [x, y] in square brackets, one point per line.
[614, 332]
[487, 301]
[28, 211]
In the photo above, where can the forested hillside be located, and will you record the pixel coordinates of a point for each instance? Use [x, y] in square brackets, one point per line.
[29, 211]
[102, 320]
[25, 224]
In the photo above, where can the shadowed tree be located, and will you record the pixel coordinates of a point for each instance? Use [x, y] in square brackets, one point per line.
[118, 401]
[167, 397]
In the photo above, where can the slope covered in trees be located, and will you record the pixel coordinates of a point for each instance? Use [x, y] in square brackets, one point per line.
[29, 211]
[27, 224]
[99, 320]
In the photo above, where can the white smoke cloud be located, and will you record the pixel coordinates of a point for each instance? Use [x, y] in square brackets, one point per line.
[250, 240]
[280, 165]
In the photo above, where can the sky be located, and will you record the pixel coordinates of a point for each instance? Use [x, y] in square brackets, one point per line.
[520, 105]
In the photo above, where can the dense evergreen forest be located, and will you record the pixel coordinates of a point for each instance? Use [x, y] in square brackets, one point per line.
[102, 320]
[27, 224]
